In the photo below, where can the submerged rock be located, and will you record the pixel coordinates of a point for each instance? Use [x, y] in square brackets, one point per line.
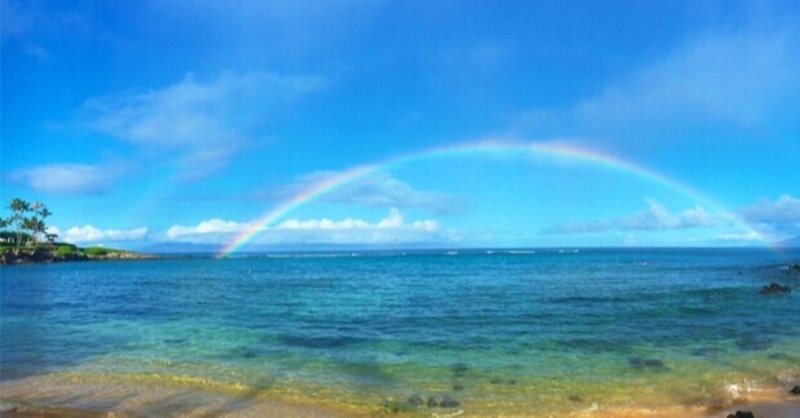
[707, 351]
[415, 400]
[752, 343]
[780, 356]
[442, 402]
[742, 414]
[575, 398]
[459, 369]
[646, 363]
[795, 390]
[448, 402]
[774, 289]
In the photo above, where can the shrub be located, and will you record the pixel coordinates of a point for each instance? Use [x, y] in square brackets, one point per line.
[65, 250]
[96, 251]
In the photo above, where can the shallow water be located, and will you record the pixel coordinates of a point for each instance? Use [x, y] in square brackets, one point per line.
[497, 331]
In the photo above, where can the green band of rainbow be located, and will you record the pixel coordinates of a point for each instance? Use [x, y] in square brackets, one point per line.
[553, 148]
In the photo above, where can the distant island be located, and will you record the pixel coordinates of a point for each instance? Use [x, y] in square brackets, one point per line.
[30, 242]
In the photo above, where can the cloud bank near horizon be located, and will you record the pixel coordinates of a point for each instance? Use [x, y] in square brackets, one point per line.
[655, 217]
[391, 229]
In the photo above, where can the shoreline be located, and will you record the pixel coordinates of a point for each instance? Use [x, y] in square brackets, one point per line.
[15, 256]
[50, 396]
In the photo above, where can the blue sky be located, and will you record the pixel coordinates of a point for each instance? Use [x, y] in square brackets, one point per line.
[185, 121]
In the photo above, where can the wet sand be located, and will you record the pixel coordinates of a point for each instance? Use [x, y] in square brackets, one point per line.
[47, 396]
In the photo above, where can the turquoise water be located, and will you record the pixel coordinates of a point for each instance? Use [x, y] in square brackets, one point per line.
[489, 328]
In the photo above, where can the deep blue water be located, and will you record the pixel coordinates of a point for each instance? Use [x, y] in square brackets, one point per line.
[396, 323]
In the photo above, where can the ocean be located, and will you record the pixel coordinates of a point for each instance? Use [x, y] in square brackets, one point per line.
[532, 332]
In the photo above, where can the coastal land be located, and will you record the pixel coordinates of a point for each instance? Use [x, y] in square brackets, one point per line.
[60, 252]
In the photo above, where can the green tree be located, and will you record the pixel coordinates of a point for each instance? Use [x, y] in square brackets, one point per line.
[34, 224]
[18, 208]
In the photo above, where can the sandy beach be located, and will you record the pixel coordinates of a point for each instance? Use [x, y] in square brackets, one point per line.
[49, 396]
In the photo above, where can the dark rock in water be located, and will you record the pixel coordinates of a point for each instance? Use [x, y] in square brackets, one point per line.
[646, 363]
[753, 344]
[707, 351]
[496, 381]
[512, 381]
[458, 387]
[434, 401]
[742, 414]
[795, 390]
[794, 267]
[318, 342]
[448, 402]
[415, 400]
[575, 398]
[249, 353]
[774, 289]
[459, 369]
[780, 356]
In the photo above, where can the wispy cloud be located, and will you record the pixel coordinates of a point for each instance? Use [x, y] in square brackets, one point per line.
[92, 234]
[739, 78]
[29, 22]
[379, 189]
[393, 228]
[656, 217]
[779, 217]
[67, 178]
[198, 126]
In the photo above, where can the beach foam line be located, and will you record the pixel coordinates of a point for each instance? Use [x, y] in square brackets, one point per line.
[558, 149]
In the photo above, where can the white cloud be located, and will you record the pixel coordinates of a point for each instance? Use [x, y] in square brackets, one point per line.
[778, 218]
[199, 124]
[89, 233]
[393, 220]
[786, 209]
[211, 226]
[66, 178]
[393, 228]
[740, 236]
[377, 189]
[656, 217]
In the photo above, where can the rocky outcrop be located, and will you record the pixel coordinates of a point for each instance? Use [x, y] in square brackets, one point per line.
[774, 289]
[442, 402]
[11, 256]
[742, 414]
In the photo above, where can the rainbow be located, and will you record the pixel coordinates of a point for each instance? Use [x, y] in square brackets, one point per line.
[551, 148]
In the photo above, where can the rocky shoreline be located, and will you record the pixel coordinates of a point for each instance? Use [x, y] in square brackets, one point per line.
[15, 256]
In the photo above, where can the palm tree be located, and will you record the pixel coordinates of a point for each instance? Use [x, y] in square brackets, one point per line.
[18, 209]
